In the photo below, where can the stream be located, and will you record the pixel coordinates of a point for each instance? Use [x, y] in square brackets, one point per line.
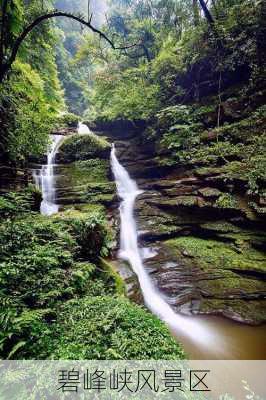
[45, 179]
[203, 337]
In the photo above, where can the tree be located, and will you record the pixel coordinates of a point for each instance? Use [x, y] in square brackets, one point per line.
[206, 12]
[8, 55]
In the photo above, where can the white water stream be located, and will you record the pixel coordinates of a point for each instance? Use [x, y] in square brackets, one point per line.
[184, 326]
[83, 129]
[45, 179]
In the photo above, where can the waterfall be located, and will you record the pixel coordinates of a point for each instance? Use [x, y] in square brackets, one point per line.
[45, 179]
[129, 251]
[83, 129]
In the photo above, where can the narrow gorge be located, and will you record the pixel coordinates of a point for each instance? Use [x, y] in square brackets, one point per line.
[133, 180]
[155, 229]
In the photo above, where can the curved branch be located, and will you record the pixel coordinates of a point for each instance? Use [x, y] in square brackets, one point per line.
[6, 66]
[44, 17]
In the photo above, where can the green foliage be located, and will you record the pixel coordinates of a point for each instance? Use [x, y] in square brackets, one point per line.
[43, 262]
[108, 328]
[68, 119]
[15, 203]
[124, 95]
[91, 231]
[31, 99]
[47, 263]
[226, 200]
[179, 126]
[83, 147]
[29, 112]
[176, 59]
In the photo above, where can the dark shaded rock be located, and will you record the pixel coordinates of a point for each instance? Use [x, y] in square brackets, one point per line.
[13, 178]
[119, 129]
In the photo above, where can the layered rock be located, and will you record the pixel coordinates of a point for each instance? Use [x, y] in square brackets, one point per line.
[208, 235]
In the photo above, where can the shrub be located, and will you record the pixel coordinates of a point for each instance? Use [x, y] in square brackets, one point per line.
[68, 120]
[83, 147]
[108, 328]
[15, 203]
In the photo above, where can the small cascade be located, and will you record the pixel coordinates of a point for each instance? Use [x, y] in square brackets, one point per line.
[45, 179]
[83, 129]
[129, 251]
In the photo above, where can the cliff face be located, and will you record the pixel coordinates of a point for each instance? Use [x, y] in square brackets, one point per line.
[203, 207]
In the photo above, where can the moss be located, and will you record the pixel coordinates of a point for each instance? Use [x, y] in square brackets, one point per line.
[211, 255]
[86, 181]
[210, 192]
[207, 171]
[186, 201]
[230, 275]
[232, 286]
[252, 311]
[81, 172]
[68, 120]
[220, 226]
[119, 282]
[226, 200]
[83, 147]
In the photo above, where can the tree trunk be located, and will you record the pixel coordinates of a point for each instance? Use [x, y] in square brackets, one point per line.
[196, 15]
[206, 12]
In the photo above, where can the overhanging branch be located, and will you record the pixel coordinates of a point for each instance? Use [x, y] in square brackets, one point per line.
[6, 66]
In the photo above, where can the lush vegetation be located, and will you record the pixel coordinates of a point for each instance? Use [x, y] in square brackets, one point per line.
[198, 84]
[51, 277]
[31, 99]
[174, 44]
[192, 76]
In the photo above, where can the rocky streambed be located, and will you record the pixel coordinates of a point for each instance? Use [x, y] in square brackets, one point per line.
[205, 247]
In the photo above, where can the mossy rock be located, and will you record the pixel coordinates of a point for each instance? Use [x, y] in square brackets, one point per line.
[85, 181]
[227, 201]
[81, 172]
[230, 274]
[90, 229]
[209, 192]
[214, 254]
[252, 311]
[68, 120]
[82, 147]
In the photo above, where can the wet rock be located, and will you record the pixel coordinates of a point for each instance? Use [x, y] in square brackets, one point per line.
[251, 312]
[209, 192]
[133, 290]
[65, 131]
[225, 276]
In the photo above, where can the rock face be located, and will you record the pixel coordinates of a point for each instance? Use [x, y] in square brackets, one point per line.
[207, 239]
[82, 172]
[82, 147]
[209, 244]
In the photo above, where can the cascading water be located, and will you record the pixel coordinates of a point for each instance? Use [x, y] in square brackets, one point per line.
[129, 251]
[45, 179]
[83, 129]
